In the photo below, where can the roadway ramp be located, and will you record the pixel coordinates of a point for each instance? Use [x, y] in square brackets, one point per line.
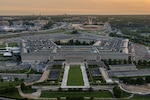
[43, 78]
[105, 75]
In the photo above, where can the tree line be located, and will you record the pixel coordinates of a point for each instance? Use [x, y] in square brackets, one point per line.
[74, 42]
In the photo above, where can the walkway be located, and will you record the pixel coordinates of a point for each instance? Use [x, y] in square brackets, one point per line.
[84, 74]
[46, 88]
[65, 76]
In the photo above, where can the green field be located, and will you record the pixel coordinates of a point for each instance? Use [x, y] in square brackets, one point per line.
[138, 97]
[102, 94]
[75, 77]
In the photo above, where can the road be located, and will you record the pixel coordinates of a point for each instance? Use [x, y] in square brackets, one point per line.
[34, 95]
[2, 98]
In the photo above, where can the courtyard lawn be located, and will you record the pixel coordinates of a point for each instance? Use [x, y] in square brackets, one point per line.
[102, 94]
[75, 77]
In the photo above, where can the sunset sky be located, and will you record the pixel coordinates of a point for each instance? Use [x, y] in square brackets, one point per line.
[51, 7]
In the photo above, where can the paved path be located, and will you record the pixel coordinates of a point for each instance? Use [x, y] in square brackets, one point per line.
[84, 74]
[65, 76]
[44, 88]
[3, 98]
[103, 87]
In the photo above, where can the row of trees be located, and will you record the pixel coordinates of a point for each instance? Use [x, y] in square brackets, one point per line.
[76, 42]
[136, 80]
[142, 63]
[137, 39]
[115, 61]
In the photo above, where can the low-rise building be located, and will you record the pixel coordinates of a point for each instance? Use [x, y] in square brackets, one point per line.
[122, 67]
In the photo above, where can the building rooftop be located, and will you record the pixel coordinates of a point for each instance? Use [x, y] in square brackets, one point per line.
[103, 45]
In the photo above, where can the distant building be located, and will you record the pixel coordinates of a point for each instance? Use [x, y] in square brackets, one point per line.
[4, 23]
[17, 22]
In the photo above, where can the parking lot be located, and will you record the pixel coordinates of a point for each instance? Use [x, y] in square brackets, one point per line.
[54, 74]
[140, 52]
[95, 72]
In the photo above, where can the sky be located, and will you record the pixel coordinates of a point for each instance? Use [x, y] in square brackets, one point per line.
[55, 7]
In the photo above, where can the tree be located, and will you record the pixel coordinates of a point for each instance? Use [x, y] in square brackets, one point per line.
[147, 79]
[60, 89]
[140, 81]
[117, 92]
[90, 89]
[119, 61]
[92, 98]
[144, 62]
[139, 62]
[125, 61]
[71, 42]
[115, 62]
[109, 61]
[77, 42]
[105, 62]
[1, 80]
[132, 81]
[129, 61]
[28, 75]
[112, 34]
[58, 42]
[134, 62]
[149, 63]
[74, 32]
[16, 79]
[23, 87]
[84, 43]
[92, 42]
[58, 98]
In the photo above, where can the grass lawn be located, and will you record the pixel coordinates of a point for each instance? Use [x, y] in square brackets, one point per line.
[102, 94]
[15, 94]
[13, 44]
[29, 34]
[138, 97]
[2, 46]
[75, 77]
[3, 84]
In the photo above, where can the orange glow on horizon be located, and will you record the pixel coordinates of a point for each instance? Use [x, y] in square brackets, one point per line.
[19, 7]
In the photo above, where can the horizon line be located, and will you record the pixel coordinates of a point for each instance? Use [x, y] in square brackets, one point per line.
[72, 14]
